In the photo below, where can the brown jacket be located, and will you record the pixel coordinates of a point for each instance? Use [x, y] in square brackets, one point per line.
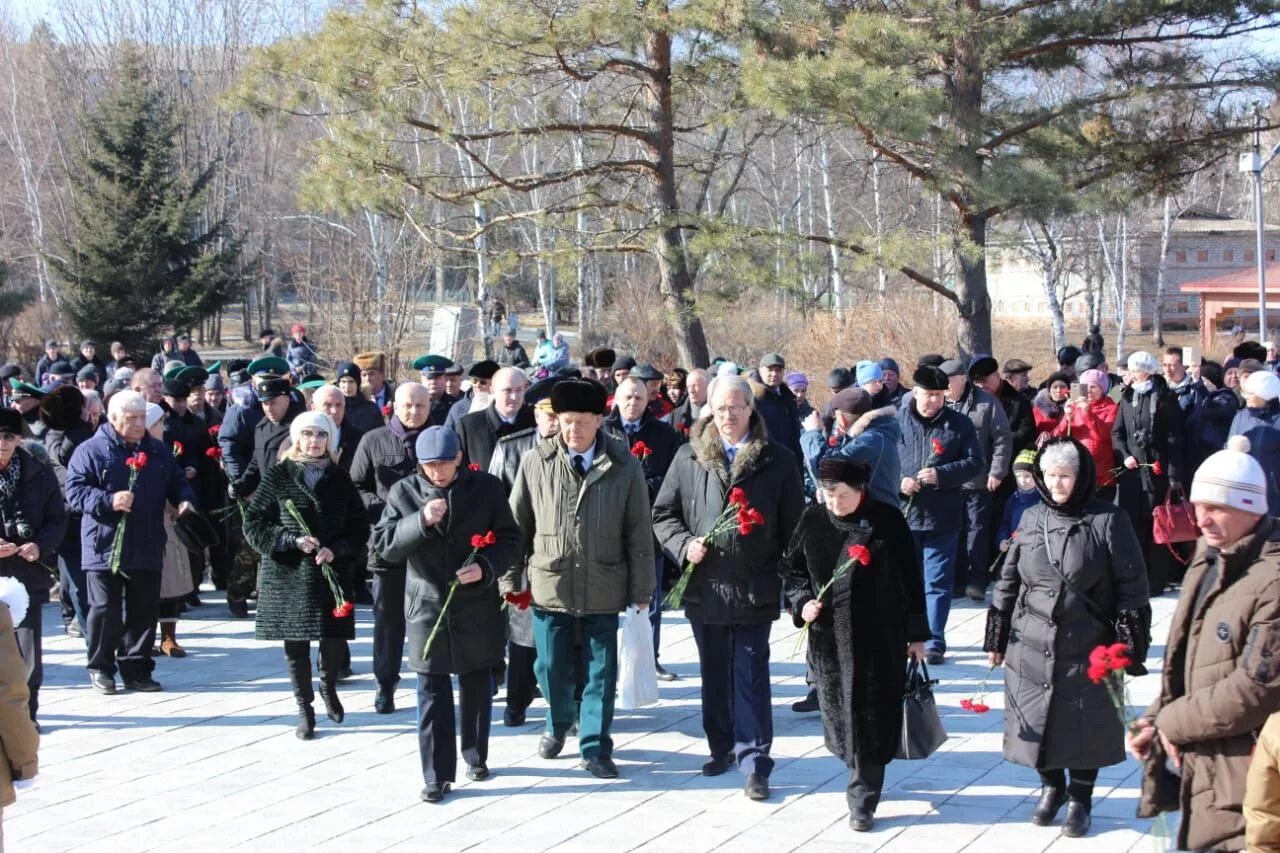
[1221, 681]
[18, 739]
[1262, 791]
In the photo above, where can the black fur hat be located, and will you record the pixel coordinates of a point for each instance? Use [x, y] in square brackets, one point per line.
[61, 407]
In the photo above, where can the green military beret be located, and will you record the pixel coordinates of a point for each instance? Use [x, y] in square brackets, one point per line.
[270, 364]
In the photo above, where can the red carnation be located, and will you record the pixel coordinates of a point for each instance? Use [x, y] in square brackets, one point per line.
[640, 450]
[860, 554]
[343, 610]
[1157, 468]
[477, 541]
[490, 538]
[137, 461]
[737, 496]
[386, 410]
[214, 430]
[937, 446]
[833, 441]
[474, 466]
[177, 448]
[214, 453]
[980, 707]
[966, 704]
[744, 528]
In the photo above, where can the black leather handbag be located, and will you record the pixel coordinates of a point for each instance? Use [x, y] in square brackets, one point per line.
[922, 731]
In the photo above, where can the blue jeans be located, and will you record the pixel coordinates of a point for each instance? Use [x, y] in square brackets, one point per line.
[737, 706]
[938, 554]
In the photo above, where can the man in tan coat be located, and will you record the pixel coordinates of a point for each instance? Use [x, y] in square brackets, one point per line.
[1221, 677]
[19, 738]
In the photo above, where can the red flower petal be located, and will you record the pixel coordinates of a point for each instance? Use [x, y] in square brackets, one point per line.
[1157, 468]
[490, 538]
[966, 704]
[213, 453]
[1100, 656]
[981, 708]
[474, 466]
[1098, 674]
[744, 528]
[860, 554]
[937, 446]
[215, 429]
[737, 496]
[386, 410]
[477, 541]
[1117, 650]
[833, 441]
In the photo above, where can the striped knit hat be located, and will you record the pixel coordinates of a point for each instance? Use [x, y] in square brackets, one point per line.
[1025, 461]
[1232, 478]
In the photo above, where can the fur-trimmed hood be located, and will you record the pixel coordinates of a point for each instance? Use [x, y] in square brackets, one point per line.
[866, 419]
[708, 448]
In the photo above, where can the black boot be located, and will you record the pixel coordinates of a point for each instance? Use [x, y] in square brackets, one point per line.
[332, 706]
[1076, 823]
[1047, 809]
[299, 666]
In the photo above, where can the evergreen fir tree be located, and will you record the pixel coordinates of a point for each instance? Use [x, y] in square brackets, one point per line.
[141, 259]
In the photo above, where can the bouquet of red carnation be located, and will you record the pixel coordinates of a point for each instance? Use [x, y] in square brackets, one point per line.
[641, 451]
[977, 702]
[936, 448]
[1156, 468]
[737, 514]
[177, 449]
[479, 542]
[135, 463]
[854, 555]
[342, 606]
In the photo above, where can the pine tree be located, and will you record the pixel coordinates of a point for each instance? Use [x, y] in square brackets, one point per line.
[140, 259]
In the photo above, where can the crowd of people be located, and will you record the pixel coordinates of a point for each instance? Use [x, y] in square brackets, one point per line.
[499, 516]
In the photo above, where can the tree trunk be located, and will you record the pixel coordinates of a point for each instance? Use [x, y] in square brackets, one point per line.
[833, 251]
[973, 331]
[675, 280]
[1157, 309]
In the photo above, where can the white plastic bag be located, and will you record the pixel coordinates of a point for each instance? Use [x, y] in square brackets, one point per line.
[637, 669]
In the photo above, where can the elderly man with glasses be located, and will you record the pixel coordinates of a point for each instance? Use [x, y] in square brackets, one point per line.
[734, 593]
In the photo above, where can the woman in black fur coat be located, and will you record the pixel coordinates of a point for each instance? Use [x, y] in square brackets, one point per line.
[865, 625]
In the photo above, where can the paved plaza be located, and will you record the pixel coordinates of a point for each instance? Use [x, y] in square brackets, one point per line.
[212, 764]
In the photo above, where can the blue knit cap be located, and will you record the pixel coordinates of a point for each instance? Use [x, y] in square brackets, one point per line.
[867, 371]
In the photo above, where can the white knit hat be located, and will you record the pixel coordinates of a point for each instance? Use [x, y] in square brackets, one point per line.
[154, 414]
[1232, 478]
[1143, 362]
[311, 420]
[1264, 384]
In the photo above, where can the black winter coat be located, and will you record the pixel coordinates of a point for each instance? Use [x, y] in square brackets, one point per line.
[363, 414]
[39, 510]
[474, 632]
[382, 459]
[1148, 427]
[479, 433]
[1208, 426]
[268, 438]
[777, 407]
[740, 580]
[661, 439]
[1022, 423]
[1046, 621]
[60, 445]
[937, 508]
[858, 643]
[294, 600]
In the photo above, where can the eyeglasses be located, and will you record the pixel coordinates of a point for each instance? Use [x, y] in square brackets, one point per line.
[728, 411]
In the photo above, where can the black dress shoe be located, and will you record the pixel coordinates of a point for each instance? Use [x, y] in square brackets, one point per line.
[512, 718]
[860, 820]
[193, 600]
[477, 772]
[146, 684]
[550, 745]
[239, 609]
[384, 702]
[434, 792]
[718, 765]
[344, 673]
[102, 682]
[601, 767]
[808, 704]
[666, 675]
[757, 787]
[1047, 809]
[1076, 823]
[935, 658]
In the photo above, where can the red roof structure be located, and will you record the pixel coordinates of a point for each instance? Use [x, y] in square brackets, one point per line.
[1232, 292]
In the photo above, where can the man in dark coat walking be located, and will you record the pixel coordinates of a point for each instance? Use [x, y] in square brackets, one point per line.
[428, 524]
[939, 452]
[122, 616]
[480, 431]
[736, 587]
[62, 410]
[654, 443]
[385, 457]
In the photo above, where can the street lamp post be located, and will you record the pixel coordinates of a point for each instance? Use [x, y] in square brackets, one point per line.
[1254, 163]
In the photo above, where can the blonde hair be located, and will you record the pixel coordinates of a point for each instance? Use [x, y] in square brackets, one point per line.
[293, 453]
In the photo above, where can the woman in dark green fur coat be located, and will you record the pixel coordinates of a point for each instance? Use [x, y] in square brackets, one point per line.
[295, 602]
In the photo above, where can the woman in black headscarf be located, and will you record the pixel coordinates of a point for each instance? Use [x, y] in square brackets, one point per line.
[1073, 580]
[861, 628]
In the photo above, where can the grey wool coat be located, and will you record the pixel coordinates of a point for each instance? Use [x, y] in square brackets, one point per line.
[1046, 621]
[294, 600]
[474, 632]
